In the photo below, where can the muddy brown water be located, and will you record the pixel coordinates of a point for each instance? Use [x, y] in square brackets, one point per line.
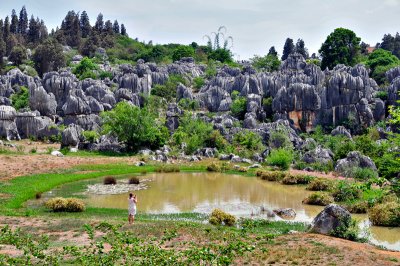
[203, 192]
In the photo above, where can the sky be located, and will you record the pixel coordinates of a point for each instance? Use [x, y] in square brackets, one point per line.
[255, 25]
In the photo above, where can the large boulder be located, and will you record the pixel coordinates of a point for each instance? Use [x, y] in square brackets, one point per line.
[31, 124]
[353, 160]
[319, 155]
[341, 131]
[8, 127]
[330, 218]
[71, 136]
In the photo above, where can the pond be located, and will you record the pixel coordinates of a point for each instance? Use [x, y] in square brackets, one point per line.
[242, 196]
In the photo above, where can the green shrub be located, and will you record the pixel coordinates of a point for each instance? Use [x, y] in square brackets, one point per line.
[362, 173]
[318, 198]
[194, 132]
[91, 136]
[182, 51]
[109, 180]
[65, 205]
[320, 184]
[167, 168]
[213, 167]
[105, 74]
[291, 179]
[134, 180]
[271, 175]
[20, 99]
[279, 139]
[239, 107]
[198, 82]
[385, 214]
[345, 191]
[281, 158]
[348, 230]
[33, 150]
[188, 104]
[168, 90]
[357, 207]
[137, 127]
[219, 217]
[85, 69]
[247, 143]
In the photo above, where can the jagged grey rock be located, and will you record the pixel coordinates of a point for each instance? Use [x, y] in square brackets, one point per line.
[354, 159]
[330, 218]
[8, 127]
[71, 136]
[341, 131]
[318, 155]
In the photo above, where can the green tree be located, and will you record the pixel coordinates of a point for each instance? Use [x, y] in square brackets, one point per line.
[116, 27]
[23, 22]
[20, 99]
[239, 107]
[168, 90]
[341, 47]
[267, 63]
[33, 32]
[48, 56]
[84, 24]
[123, 30]
[288, 48]
[272, 51]
[182, 51]
[379, 62]
[219, 46]
[85, 69]
[2, 44]
[134, 126]
[18, 55]
[14, 22]
[222, 55]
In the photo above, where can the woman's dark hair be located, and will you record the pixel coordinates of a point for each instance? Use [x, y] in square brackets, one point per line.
[130, 195]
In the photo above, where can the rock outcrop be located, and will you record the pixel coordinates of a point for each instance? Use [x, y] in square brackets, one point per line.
[330, 218]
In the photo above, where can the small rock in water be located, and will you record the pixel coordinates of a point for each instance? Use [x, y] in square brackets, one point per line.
[286, 213]
[57, 153]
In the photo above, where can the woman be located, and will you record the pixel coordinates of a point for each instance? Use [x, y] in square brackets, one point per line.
[132, 207]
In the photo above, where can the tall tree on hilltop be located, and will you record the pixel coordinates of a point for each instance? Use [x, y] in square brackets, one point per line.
[85, 25]
[99, 25]
[33, 32]
[301, 48]
[116, 27]
[90, 46]
[342, 46]
[14, 22]
[288, 48]
[43, 33]
[391, 43]
[23, 22]
[108, 27]
[2, 44]
[71, 29]
[6, 31]
[272, 51]
[123, 30]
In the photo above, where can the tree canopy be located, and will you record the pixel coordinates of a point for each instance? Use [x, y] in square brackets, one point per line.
[341, 47]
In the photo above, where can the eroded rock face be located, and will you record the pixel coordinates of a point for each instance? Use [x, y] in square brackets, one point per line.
[31, 124]
[341, 131]
[8, 128]
[330, 218]
[318, 155]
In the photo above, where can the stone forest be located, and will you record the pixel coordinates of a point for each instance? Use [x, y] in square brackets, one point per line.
[291, 159]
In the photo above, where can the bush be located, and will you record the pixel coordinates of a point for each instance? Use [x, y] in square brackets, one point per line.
[348, 230]
[168, 90]
[219, 217]
[134, 180]
[167, 168]
[239, 107]
[20, 99]
[385, 214]
[247, 143]
[182, 51]
[91, 136]
[109, 180]
[320, 184]
[279, 139]
[357, 207]
[136, 127]
[65, 205]
[291, 179]
[271, 175]
[362, 173]
[213, 167]
[198, 82]
[318, 198]
[85, 69]
[344, 191]
[281, 158]
[194, 132]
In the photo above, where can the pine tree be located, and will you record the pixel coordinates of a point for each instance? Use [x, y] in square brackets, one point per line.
[108, 27]
[23, 22]
[85, 25]
[14, 22]
[301, 48]
[43, 33]
[90, 46]
[71, 29]
[2, 44]
[99, 26]
[48, 56]
[272, 51]
[123, 30]
[288, 48]
[33, 32]
[116, 27]
[6, 31]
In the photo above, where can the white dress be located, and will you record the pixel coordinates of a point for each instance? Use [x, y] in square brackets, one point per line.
[132, 207]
